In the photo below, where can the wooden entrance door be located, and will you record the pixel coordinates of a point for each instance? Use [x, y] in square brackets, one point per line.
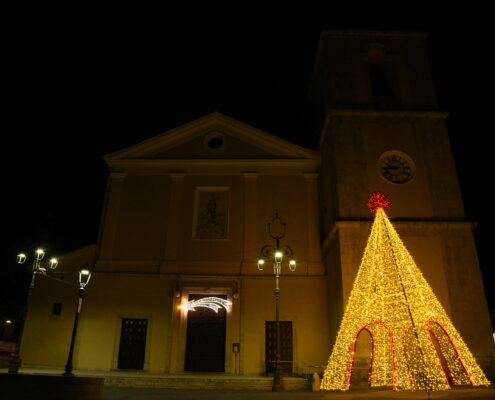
[132, 343]
[205, 341]
[271, 345]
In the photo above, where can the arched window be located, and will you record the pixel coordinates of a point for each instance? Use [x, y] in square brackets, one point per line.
[381, 87]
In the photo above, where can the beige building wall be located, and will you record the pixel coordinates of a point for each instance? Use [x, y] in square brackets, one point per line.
[46, 337]
[109, 299]
[303, 301]
[149, 260]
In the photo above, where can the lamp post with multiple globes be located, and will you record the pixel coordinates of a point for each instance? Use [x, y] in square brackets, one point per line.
[276, 254]
[84, 277]
[38, 267]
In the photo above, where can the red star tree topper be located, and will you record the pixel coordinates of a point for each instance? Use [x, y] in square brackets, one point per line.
[377, 201]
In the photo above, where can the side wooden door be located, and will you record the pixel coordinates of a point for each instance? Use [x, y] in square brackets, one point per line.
[132, 343]
[286, 354]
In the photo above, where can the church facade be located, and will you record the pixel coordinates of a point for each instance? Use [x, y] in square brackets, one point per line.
[187, 212]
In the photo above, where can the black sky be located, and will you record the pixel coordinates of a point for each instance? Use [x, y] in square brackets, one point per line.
[83, 83]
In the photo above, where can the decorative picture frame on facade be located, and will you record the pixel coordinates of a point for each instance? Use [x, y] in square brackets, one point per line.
[211, 213]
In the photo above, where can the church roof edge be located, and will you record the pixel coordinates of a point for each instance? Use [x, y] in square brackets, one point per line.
[214, 119]
[417, 35]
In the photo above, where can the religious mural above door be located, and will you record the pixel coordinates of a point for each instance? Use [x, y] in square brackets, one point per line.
[211, 213]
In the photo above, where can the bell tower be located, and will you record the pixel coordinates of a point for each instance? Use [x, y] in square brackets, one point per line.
[381, 130]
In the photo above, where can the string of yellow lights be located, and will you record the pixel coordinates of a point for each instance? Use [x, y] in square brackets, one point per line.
[415, 346]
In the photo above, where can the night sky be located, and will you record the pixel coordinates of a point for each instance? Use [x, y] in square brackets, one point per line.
[95, 81]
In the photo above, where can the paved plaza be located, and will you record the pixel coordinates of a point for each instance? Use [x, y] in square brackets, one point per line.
[187, 393]
[122, 393]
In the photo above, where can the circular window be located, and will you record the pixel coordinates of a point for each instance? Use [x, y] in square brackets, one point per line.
[214, 141]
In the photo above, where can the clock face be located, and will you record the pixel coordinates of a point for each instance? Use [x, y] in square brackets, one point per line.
[396, 167]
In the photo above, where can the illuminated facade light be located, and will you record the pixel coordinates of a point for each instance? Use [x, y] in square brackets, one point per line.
[21, 258]
[213, 303]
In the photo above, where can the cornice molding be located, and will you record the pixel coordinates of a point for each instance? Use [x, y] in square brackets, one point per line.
[420, 225]
[177, 176]
[216, 166]
[311, 176]
[375, 114]
[250, 176]
[374, 34]
[412, 114]
[117, 176]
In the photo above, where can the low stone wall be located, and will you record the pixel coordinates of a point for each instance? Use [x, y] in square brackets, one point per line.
[30, 386]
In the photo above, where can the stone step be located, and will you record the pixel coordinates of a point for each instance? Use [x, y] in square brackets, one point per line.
[208, 382]
[200, 381]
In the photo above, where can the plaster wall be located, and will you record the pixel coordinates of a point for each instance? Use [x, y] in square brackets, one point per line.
[303, 301]
[112, 297]
[46, 338]
[225, 250]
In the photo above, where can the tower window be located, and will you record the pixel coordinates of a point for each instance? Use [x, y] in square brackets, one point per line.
[380, 86]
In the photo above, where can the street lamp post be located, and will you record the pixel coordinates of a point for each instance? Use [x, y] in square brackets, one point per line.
[84, 276]
[276, 254]
[38, 268]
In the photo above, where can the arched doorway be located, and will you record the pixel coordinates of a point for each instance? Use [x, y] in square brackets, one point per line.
[372, 361]
[453, 368]
[205, 338]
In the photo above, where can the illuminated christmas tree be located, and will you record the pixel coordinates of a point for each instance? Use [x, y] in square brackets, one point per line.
[414, 345]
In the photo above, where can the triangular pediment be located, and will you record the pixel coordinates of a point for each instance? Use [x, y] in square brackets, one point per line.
[213, 137]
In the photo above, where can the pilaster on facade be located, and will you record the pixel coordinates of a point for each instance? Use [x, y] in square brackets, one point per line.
[314, 250]
[250, 216]
[175, 320]
[173, 221]
[111, 215]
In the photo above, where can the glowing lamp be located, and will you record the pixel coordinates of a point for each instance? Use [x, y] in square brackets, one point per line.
[53, 263]
[8, 321]
[39, 254]
[278, 256]
[84, 277]
[261, 264]
[292, 265]
[21, 257]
